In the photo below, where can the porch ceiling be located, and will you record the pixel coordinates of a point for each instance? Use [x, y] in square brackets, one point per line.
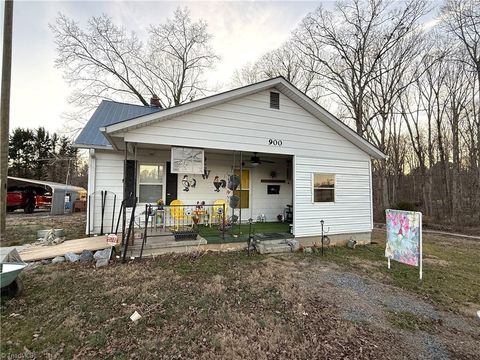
[246, 154]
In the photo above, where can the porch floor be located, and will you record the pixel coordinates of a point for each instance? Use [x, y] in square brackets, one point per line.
[162, 241]
[239, 233]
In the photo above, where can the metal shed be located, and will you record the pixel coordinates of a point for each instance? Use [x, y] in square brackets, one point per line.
[63, 196]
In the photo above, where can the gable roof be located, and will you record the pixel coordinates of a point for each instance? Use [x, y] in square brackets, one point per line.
[280, 83]
[108, 113]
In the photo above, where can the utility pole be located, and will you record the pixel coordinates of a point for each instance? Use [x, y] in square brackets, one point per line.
[5, 109]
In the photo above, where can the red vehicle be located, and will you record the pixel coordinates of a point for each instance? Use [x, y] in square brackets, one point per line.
[20, 200]
[43, 201]
[27, 200]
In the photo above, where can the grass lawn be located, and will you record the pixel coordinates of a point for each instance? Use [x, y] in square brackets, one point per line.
[239, 233]
[22, 228]
[451, 269]
[345, 304]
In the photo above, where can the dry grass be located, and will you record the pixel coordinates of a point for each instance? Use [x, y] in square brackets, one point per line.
[231, 306]
[216, 306]
[22, 228]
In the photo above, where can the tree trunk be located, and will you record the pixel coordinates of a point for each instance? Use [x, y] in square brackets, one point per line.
[456, 188]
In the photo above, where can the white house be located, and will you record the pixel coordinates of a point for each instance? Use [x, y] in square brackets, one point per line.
[291, 152]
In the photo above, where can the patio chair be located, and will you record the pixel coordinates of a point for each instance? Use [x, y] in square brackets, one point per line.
[177, 212]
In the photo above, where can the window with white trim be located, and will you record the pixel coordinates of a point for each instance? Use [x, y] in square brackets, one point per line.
[323, 187]
[150, 183]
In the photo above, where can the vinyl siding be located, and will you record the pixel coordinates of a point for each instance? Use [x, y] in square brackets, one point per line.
[246, 124]
[351, 211]
[108, 176]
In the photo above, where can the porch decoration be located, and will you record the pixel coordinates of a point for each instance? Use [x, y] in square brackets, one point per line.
[188, 183]
[234, 201]
[160, 204]
[219, 183]
[404, 237]
[188, 160]
[233, 182]
[206, 172]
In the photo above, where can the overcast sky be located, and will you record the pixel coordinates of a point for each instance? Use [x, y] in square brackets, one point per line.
[242, 32]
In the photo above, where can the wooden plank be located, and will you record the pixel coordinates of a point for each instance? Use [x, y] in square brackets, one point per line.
[77, 246]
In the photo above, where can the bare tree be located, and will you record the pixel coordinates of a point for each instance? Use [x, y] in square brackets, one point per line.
[248, 74]
[462, 19]
[100, 60]
[349, 42]
[106, 61]
[179, 53]
[285, 61]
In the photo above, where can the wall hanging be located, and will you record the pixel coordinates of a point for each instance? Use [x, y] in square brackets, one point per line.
[187, 160]
[206, 172]
[188, 183]
[219, 183]
[273, 189]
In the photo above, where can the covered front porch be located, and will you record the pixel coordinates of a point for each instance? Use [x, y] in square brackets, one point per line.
[209, 195]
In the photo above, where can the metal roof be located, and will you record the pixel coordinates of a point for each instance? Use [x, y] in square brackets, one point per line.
[16, 181]
[108, 113]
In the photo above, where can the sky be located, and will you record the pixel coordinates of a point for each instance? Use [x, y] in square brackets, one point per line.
[242, 32]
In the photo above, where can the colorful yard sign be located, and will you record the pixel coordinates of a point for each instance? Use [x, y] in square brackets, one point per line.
[404, 237]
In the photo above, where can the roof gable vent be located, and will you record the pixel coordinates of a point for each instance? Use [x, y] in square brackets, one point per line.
[274, 100]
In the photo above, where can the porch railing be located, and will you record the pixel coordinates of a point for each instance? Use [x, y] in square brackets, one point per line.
[183, 221]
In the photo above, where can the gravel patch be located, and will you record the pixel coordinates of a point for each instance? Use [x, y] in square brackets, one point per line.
[428, 346]
[375, 294]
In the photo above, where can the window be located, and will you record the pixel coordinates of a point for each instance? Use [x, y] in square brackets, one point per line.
[243, 194]
[274, 100]
[323, 187]
[150, 183]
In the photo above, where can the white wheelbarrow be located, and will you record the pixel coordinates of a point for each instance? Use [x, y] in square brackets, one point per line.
[9, 280]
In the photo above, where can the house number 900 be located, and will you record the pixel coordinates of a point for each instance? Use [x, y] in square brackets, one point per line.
[275, 142]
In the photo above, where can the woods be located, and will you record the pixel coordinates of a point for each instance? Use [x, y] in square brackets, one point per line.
[411, 90]
[403, 75]
[37, 154]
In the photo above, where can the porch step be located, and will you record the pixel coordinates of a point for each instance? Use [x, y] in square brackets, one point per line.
[277, 246]
[164, 246]
[167, 244]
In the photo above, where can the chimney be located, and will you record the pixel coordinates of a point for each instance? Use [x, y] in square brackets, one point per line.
[155, 101]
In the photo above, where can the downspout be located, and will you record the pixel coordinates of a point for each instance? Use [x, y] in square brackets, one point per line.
[294, 202]
[371, 193]
[92, 168]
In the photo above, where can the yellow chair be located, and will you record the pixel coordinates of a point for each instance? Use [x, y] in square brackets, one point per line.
[177, 212]
[218, 207]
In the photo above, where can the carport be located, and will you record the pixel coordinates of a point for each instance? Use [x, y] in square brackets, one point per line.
[63, 195]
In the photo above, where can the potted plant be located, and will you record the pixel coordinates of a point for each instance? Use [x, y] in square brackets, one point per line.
[160, 204]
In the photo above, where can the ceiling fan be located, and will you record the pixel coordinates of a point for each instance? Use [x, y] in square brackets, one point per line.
[255, 160]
